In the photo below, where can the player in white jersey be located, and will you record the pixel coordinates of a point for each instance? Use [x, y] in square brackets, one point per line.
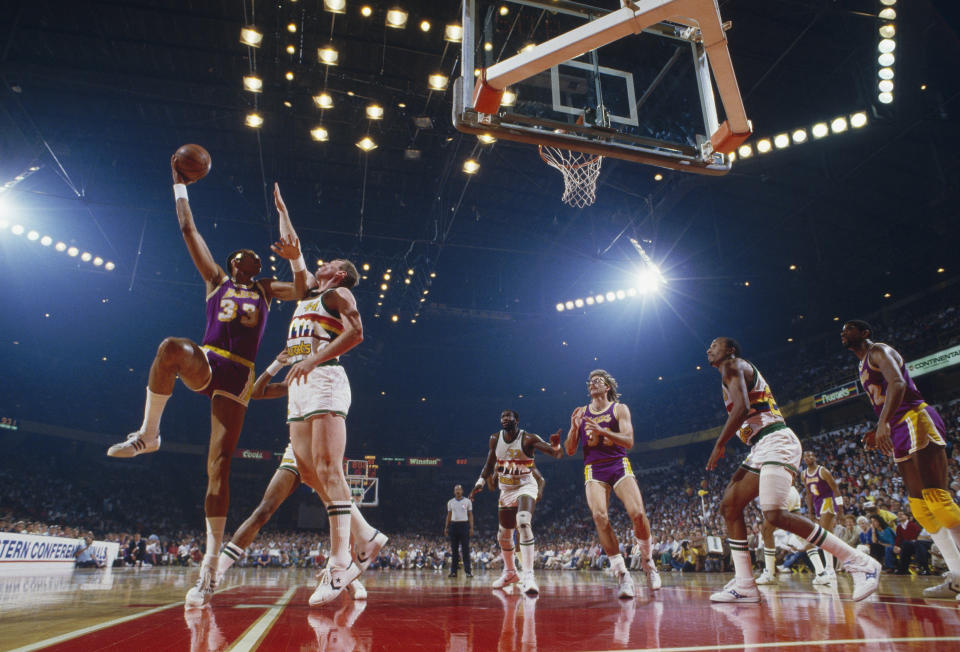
[511, 457]
[284, 482]
[754, 417]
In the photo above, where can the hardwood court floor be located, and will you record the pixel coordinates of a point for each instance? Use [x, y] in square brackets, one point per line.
[421, 610]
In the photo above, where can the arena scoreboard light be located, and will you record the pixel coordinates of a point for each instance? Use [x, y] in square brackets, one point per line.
[7, 423]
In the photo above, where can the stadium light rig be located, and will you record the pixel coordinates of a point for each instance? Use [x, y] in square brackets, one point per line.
[886, 45]
[801, 135]
[46, 241]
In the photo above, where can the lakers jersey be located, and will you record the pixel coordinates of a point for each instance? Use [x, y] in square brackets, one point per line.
[236, 318]
[875, 385]
[514, 466]
[312, 327]
[763, 415]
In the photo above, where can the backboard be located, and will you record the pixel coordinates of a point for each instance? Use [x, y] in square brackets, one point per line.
[642, 90]
[361, 476]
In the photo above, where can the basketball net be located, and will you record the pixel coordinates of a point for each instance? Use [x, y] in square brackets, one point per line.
[580, 172]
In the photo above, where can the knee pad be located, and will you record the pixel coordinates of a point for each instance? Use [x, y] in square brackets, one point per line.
[775, 483]
[944, 509]
[926, 519]
[523, 526]
[505, 538]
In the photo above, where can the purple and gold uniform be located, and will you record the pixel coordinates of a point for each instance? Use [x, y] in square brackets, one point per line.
[914, 424]
[820, 492]
[605, 463]
[236, 319]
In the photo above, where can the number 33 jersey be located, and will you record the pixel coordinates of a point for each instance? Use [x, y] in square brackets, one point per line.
[236, 318]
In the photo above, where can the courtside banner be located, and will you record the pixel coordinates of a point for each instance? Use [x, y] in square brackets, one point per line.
[33, 550]
[836, 395]
[251, 454]
[935, 362]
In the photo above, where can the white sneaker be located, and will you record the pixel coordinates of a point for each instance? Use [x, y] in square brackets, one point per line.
[949, 588]
[824, 579]
[508, 577]
[736, 591]
[137, 443]
[653, 577]
[333, 581]
[866, 576]
[529, 584]
[766, 578]
[369, 551]
[199, 596]
[357, 590]
[626, 589]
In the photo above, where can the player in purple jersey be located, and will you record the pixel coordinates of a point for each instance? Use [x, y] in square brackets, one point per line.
[824, 504]
[221, 368]
[913, 433]
[605, 431]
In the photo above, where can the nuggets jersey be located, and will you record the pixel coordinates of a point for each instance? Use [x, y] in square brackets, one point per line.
[514, 466]
[763, 415]
[312, 327]
[875, 385]
[236, 318]
[817, 487]
[601, 452]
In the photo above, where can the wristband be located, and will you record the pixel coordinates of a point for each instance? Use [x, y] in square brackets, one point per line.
[298, 265]
[179, 191]
[838, 501]
[274, 367]
[480, 482]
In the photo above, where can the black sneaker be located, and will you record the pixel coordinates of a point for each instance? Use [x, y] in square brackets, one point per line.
[452, 575]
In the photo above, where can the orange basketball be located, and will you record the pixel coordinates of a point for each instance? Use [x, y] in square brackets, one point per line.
[192, 162]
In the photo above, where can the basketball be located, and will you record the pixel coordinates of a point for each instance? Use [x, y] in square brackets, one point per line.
[192, 162]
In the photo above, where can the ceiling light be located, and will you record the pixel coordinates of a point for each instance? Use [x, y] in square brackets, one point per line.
[366, 144]
[288, 104]
[764, 146]
[409, 272]
[60, 246]
[599, 298]
[394, 318]
[885, 98]
[85, 256]
[406, 281]
[838, 125]
[365, 11]
[374, 112]
[885, 73]
[383, 286]
[425, 25]
[291, 49]
[254, 120]
[560, 307]
[328, 55]
[98, 261]
[437, 81]
[336, 6]
[432, 275]
[386, 277]
[888, 30]
[509, 98]
[888, 14]
[888, 3]
[423, 122]
[886, 59]
[940, 270]
[590, 301]
[578, 303]
[781, 140]
[453, 33]
[611, 296]
[251, 36]
[793, 268]
[568, 305]
[252, 84]
[292, 28]
[745, 151]
[323, 101]
[658, 177]
[109, 266]
[72, 251]
[396, 18]
[33, 235]
[46, 241]
[488, 46]
[504, 10]
[289, 75]
[17, 229]
[319, 134]
[799, 136]
[820, 130]
[886, 295]
[401, 105]
[885, 85]
[412, 154]
[366, 267]
[886, 45]
[621, 294]
[486, 139]
[470, 166]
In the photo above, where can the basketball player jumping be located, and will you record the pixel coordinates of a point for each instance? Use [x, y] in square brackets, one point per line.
[755, 418]
[605, 430]
[906, 426]
[825, 504]
[221, 367]
[511, 455]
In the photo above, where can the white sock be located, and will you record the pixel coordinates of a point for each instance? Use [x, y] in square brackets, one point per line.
[814, 556]
[506, 537]
[215, 525]
[152, 411]
[740, 553]
[644, 547]
[770, 561]
[361, 530]
[948, 549]
[228, 557]
[527, 555]
[339, 515]
[827, 541]
[827, 561]
[616, 564]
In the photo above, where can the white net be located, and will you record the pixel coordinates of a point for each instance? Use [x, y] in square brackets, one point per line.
[580, 172]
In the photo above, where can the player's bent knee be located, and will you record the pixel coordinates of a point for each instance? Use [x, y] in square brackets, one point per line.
[775, 517]
[524, 519]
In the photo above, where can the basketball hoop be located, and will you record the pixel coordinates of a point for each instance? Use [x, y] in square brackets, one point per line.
[580, 172]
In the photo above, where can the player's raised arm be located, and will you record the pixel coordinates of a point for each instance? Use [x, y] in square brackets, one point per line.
[263, 388]
[572, 441]
[340, 299]
[736, 385]
[199, 252]
[535, 443]
[288, 247]
[486, 474]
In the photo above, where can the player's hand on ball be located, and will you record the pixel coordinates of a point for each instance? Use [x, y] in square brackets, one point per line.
[287, 247]
[177, 177]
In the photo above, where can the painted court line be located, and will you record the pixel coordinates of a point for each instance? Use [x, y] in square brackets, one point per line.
[104, 625]
[254, 635]
[781, 644]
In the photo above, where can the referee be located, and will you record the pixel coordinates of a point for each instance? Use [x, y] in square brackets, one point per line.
[460, 511]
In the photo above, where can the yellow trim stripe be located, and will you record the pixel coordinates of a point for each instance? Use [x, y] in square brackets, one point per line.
[228, 355]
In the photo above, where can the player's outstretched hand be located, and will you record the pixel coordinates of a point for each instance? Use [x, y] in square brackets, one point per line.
[287, 247]
[869, 440]
[278, 200]
[715, 456]
[556, 438]
[177, 177]
[477, 488]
